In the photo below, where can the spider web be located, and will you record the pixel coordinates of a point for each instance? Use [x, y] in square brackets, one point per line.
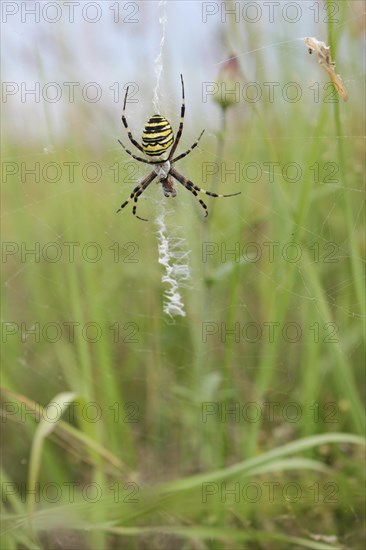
[171, 247]
[288, 49]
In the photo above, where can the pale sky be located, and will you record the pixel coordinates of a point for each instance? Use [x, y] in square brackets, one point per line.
[80, 43]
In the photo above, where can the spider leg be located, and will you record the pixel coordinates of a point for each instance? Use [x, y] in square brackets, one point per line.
[180, 129]
[134, 156]
[136, 198]
[124, 120]
[139, 189]
[182, 155]
[188, 184]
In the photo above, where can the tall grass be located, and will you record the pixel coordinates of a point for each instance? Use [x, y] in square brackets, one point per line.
[158, 419]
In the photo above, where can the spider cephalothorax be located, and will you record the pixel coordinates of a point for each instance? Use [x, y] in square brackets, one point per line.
[162, 172]
[157, 138]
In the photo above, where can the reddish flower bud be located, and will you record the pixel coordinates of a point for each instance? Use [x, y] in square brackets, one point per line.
[228, 81]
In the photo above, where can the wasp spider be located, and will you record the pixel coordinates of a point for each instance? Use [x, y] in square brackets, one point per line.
[157, 138]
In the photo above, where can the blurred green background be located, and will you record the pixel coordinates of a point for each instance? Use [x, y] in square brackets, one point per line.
[239, 424]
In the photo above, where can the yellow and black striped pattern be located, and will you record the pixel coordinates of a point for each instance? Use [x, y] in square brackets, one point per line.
[157, 136]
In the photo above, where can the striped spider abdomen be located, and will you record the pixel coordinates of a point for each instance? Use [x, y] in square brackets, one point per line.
[157, 136]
